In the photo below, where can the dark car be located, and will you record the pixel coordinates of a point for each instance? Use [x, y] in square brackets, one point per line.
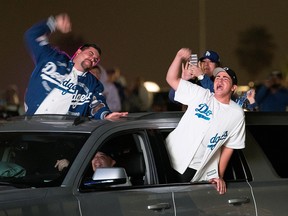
[256, 177]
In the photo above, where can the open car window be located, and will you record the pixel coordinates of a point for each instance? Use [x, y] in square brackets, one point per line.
[127, 152]
[29, 159]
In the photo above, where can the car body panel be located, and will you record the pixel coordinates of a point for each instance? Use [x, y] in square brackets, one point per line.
[42, 201]
[128, 202]
[254, 184]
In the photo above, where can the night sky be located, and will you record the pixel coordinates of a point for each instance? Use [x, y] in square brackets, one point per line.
[141, 37]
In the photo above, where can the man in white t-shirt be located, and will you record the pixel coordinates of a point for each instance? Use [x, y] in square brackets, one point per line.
[213, 125]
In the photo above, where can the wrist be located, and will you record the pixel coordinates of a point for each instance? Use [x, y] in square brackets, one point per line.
[251, 101]
[51, 22]
[200, 77]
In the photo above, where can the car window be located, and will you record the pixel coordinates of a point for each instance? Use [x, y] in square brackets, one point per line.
[126, 150]
[143, 155]
[30, 158]
[271, 139]
[237, 169]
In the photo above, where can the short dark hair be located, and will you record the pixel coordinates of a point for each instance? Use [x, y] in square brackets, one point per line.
[87, 45]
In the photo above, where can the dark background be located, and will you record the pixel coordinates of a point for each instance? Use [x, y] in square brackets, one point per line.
[141, 37]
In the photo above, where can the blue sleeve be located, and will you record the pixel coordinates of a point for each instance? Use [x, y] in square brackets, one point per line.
[171, 95]
[207, 83]
[261, 93]
[252, 107]
[36, 39]
[98, 107]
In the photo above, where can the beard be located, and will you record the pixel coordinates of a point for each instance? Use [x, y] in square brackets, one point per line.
[86, 65]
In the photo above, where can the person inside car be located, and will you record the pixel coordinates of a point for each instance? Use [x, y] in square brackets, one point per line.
[100, 159]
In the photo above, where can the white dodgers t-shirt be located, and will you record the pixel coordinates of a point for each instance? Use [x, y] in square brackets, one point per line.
[206, 125]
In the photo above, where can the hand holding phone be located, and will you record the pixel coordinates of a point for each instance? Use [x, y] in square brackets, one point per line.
[193, 60]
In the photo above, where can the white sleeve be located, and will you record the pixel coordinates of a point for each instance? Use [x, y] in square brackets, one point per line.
[187, 92]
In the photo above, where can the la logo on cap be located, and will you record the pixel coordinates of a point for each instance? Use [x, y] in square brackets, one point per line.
[207, 53]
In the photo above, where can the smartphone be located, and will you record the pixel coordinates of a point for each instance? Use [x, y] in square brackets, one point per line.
[193, 60]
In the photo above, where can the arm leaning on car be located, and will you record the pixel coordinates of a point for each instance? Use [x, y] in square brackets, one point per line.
[226, 154]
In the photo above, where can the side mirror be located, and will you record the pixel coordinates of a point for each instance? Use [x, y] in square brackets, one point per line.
[108, 177]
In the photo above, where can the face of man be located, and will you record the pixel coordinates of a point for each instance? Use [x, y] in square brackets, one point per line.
[86, 59]
[102, 160]
[207, 66]
[223, 87]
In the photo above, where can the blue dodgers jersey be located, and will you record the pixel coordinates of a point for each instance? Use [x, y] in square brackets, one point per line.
[52, 69]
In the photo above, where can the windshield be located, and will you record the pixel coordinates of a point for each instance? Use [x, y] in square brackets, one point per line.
[37, 159]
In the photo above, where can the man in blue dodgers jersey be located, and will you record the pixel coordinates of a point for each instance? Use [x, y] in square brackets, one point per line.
[213, 125]
[60, 84]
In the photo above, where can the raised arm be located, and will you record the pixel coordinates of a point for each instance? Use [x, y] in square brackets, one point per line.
[172, 76]
[36, 37]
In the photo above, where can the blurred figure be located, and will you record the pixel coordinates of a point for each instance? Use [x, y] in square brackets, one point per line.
[110, 90]
[12, 101]
[272, 95]
[121, 85]
[160, 102]
[139, 99]
[247, 100]
[96, 71]
[251, 104]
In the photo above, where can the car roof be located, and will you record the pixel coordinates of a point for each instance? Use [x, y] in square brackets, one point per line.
[66, 123]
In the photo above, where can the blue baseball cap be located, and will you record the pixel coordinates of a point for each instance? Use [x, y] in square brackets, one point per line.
[211, 55]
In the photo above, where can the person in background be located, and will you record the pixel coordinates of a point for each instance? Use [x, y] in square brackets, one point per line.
[246, 100]
[213, 125]
[120, 83]
[111, 92]
[12, 101]
[204, 75]
[251, 104]
[272, 95]
[139, 99]
[96, 71]
[60, 84]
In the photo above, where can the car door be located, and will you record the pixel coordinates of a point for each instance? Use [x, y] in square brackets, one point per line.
[139, 199]
[127, 201]
[202, 198]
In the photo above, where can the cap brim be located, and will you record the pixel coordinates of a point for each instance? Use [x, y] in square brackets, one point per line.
[217, 70]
